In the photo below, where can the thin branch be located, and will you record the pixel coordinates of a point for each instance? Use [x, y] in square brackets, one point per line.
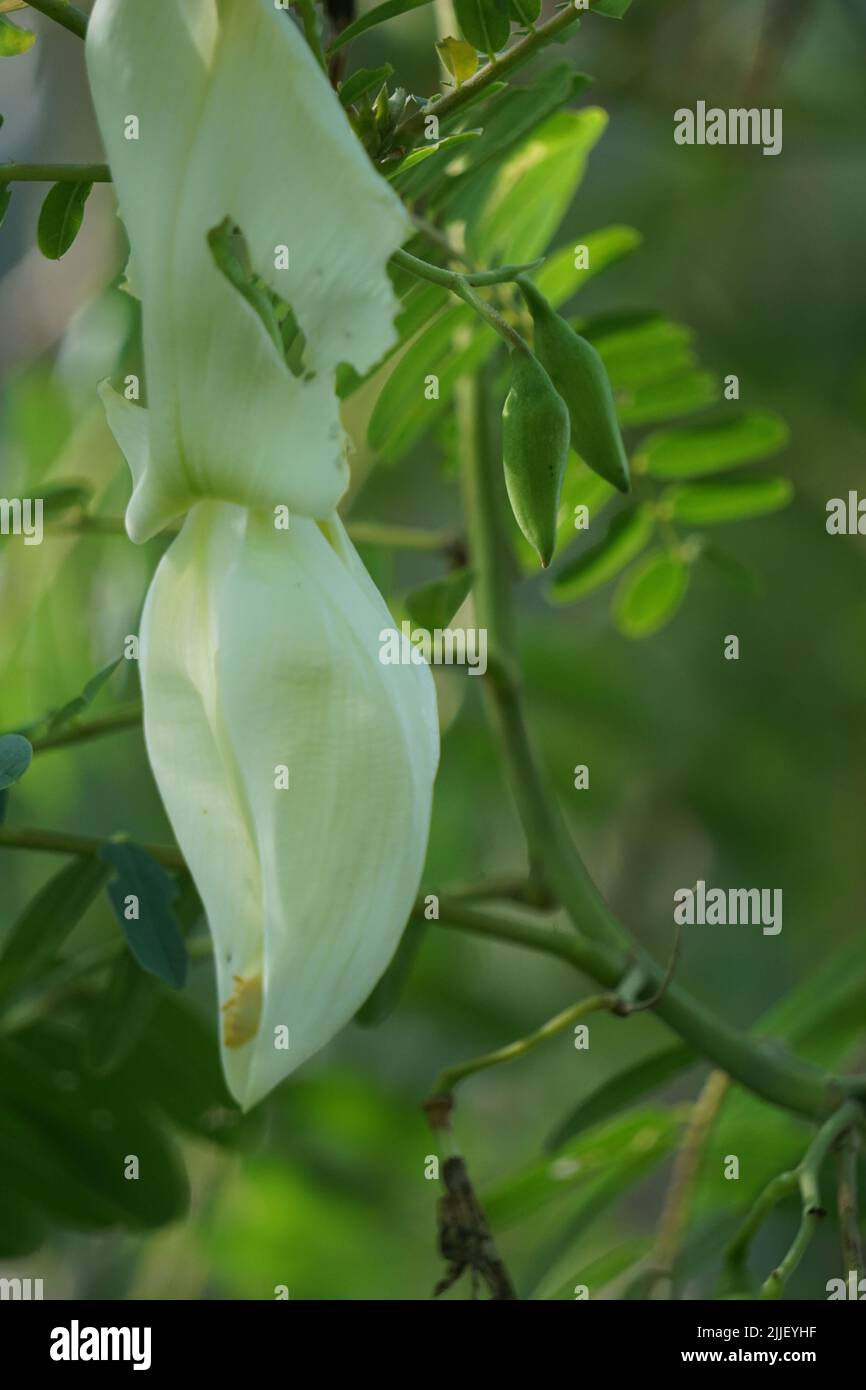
[687, 1166]
[12, 172]
[126, 716]
[847, 1204]
[563, 1021]
[85, 846]
[62, 13]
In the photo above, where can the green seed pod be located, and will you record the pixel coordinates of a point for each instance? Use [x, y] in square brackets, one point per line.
[535, 433]
[579, 376]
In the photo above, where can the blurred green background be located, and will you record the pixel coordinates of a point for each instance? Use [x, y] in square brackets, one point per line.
[743, 773]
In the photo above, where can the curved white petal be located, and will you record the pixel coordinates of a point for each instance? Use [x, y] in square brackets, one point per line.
[260, 650]
[236, 119]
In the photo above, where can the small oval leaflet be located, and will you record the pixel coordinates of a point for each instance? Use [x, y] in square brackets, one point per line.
[61, 218]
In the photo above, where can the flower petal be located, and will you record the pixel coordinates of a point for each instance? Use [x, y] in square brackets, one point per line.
[235, 118]
[260, 650]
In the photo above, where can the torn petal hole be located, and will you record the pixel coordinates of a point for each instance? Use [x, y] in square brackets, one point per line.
[231, 255]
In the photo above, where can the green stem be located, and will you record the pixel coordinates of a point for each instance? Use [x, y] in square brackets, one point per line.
[737, 1251]
[462, 284]
[126, 716]
[848, 1206]
[13, 172]
[514, 57]
[786, 1082]
[449, 1078]
[63, 13]
[86, 846]
[362, 532]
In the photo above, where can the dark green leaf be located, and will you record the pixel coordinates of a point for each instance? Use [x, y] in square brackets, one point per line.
[423, 152]
[144, 888]
[620, 1090]
[524, 12]
[124, 1011]
[14, 40]
[363, 81]
[712, 448]
[21, 1228]
[47, 921]
[484, 23]
[650, 594]
[611, 9]
[389, 10]
[707, 504]
[433, 605]
[75, 1136]
[61, 218]
[73, 708]
[16, 754]
[626, 537]
[5, 200]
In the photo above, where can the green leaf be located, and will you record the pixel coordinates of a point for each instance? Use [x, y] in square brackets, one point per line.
[734, 573]
[21, 1228]
[5, 200]
[712, 448]
[14, 40]
[601, 1271]
[627, 535]
[484, 23]
[363, 81]
[154, 937]
[620, 1090]
[534, 187]
[61, 218]
[559, 278]
[386, 995]
[611, 9]
[126, 1007]
[682, 394]
[176, 1066]
[16, 754]
[507, 121]
[524, 12]
[48, 919]
[425, 151]
[76, 1135]
[615, 1152]
[433, 605]
[389, 10]
[642, 354]
[650, 594]
[73, 708]
[707, 504]
[459, 58]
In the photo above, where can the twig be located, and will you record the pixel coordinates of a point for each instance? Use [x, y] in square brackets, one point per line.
[63, 13]
[687, 1166]
[847, 1205]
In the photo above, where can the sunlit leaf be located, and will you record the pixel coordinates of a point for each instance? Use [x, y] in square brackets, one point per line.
[459, 57]
[14, 40]
[627, 535]
[712, 448]
[706, 504]
[650, 594]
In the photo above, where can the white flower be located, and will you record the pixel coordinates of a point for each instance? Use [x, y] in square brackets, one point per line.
[296, 768]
